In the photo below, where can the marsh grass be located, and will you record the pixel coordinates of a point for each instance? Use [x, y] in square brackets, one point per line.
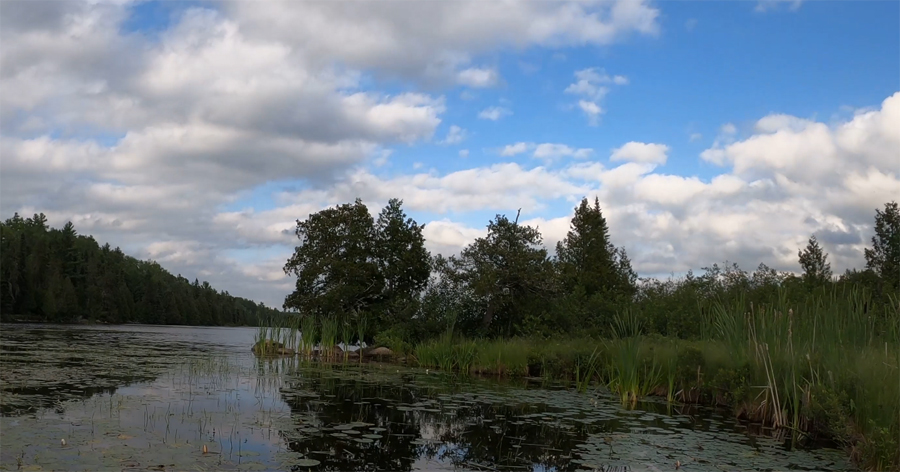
[309, 335]
[824, 367]
[346, 336]
[330, 328]
[586, 370]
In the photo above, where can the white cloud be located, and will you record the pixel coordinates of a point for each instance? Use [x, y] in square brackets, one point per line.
[261, 94]
[392, 38]
[591, 84]
[592, 110]
[695, 137]
[550, 151]
[515, 149]
[494, 113]
[478, 78]
[547, 152]
[448, 238]
[455, 135]
[463, 153]
[641, 152]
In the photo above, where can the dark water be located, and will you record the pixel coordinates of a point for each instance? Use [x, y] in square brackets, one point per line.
[151, 398]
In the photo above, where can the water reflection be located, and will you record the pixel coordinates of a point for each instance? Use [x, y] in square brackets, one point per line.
[128, 399]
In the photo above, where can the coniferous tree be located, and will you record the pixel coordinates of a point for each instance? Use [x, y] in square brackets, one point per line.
[814, 262]
[56, 275]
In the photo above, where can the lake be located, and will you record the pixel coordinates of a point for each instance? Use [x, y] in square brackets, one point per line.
[166, 398]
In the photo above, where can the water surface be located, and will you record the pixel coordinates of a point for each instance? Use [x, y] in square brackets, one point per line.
[151, 398]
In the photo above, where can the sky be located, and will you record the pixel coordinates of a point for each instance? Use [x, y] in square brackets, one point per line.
[197, 133]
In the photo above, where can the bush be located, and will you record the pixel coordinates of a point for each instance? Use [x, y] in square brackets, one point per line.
[395, 339]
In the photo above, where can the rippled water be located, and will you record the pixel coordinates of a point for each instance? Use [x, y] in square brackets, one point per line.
[151, 398]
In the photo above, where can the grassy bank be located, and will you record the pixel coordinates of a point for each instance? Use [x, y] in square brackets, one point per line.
[825, 369]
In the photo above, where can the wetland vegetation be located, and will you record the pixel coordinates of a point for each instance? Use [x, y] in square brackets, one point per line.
[505, 358]
[814, 355]
[199, 400]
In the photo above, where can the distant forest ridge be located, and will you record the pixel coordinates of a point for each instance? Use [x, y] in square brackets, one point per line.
[57, 275]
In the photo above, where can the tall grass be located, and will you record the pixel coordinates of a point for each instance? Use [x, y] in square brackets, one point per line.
[330, 327]
[309, 335]
[823, 365]
[825, 353]
[346, 336]
[361, 325]
[272, 333]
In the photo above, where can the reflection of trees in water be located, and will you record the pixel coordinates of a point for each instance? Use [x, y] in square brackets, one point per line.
[483, 434]
[470, 435]
[37, 398]
[355, 401]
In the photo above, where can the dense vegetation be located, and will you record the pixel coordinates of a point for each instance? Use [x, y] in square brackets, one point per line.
[56, 275]
[814, 354]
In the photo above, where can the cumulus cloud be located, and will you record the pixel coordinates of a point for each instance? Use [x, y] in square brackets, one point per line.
[389, 37]
[478, 78]
[155, 143]
[641, 152]
[494, 113]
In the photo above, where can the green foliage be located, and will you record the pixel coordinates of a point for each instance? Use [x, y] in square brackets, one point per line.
[884, 256]
[57, 275]
[814, 262]
[395, 339]
[591, 266]
[347, 264]
[505, 276]
[330, 330]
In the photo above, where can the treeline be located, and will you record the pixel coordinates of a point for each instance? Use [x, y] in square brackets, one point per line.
[351, 266]
[57, 275]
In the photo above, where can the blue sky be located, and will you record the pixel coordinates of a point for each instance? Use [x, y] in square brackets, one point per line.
[195, 133]
[713, 63]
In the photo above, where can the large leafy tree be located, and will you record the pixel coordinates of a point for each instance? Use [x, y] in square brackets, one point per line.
[403, 261]
[507, 272]
[335, 266]
[884, 256]
[348, 264]
[814, 262]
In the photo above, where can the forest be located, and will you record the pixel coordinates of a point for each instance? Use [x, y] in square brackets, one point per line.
[349, 264]
[58, 276]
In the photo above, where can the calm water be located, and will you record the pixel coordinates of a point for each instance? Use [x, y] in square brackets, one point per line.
[151, 398]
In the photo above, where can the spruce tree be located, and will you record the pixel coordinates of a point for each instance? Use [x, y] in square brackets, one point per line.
[814, 262]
